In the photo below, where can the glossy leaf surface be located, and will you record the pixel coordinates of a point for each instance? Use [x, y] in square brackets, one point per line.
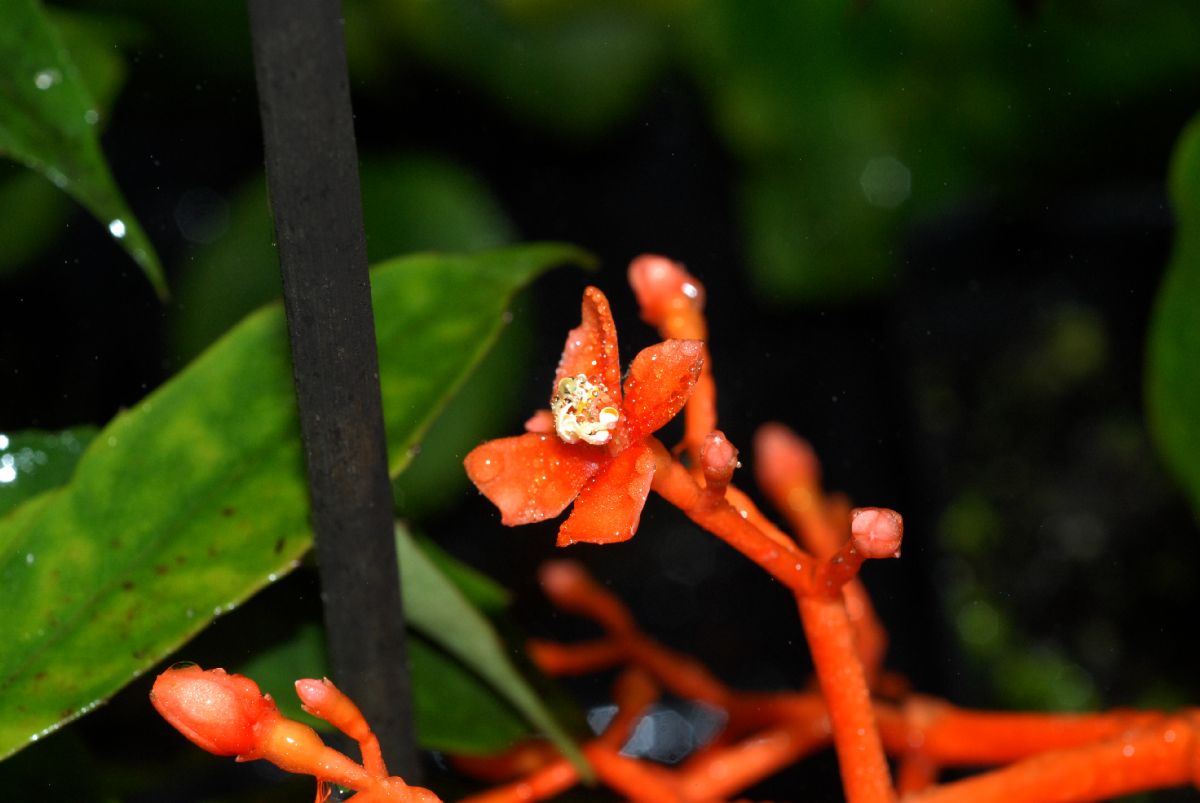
[49, 121]
[194, 499]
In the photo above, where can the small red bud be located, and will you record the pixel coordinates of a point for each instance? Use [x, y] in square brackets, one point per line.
[718, 458]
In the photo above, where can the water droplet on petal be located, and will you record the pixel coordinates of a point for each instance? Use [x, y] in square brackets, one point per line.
[489, 468]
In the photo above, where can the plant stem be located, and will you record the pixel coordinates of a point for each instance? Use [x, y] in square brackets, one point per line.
[864, 769]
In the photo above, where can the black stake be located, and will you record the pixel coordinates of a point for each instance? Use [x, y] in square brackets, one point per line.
[312, 174]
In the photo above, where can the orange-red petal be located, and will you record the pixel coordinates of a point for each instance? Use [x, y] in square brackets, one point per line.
[533, 476]
[591, 347]
[610, 505]
[659, 383]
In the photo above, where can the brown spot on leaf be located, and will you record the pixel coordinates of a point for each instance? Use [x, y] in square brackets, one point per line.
[279, 545]
[161, 568]
[66, 712]
[228, 512]
[39, 675]
[127, 585]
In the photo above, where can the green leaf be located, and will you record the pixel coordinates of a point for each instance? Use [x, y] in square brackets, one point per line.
[411, 203]
[32, 461]
[435, 607]
[485, 406]
[49, 120]
[1172, 361]
[453, 709]
[190, 502]
[480, 590]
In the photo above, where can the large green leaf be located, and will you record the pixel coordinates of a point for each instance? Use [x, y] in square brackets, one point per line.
[435, 607]
[48, 121]
[1173, 359]
[188, 503]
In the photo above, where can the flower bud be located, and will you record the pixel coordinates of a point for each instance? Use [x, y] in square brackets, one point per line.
[664, 289]
[217, 711]
[876, 532]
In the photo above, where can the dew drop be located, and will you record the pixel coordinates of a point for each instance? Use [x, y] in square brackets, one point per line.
[1128, 751]
[29, 558]
[44, 79]
[489, 469]
[116, 228]
[91, 116]
[8, 469]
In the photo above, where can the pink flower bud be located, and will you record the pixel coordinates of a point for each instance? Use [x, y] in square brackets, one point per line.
[217, 711]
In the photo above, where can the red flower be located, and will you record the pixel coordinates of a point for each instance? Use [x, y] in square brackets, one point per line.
[592, 446]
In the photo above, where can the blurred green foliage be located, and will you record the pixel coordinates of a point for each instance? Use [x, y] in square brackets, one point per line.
[49, 115]
[1173, 359]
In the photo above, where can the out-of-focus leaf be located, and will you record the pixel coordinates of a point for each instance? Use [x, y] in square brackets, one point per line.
[1173, 358]
[437, 609]
[846, 124]
[480, 590]
[32, 210]
[32, 213]
[49, 119]
[453, 709]
[32, 461]
[191, 501]
[413, 203]
[574, 68]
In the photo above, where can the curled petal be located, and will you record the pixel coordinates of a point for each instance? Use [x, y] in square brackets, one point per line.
[610, 505]
[591, 347]
[659, 383]
[533, 476]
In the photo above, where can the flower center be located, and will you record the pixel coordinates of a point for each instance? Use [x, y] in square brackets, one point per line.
[583, 411]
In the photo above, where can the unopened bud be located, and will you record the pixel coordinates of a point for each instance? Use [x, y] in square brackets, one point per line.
[718, 458]
[664, 288]
[876, 532]
[215, 710]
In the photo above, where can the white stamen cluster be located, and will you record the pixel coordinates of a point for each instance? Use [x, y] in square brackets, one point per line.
[583, 411]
